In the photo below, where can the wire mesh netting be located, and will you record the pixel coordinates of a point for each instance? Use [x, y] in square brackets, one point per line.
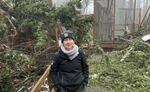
[115, 17]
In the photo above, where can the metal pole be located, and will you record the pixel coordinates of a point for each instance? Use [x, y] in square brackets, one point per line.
[145, 16]
[94, 27]
[125, 18]
[139, 16]
[114, 20]
[134, 11]
[50, 3]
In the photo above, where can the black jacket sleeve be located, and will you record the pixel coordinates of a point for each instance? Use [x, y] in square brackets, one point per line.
[85, 68]
[54, 70]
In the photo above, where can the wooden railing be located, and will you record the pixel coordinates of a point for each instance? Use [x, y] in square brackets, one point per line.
[37, 87]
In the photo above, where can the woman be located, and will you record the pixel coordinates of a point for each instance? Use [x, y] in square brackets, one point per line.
[69, 70]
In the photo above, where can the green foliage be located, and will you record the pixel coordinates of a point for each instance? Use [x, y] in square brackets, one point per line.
[29, 13]
[131, 75]
[83, 25]
[66, 15]
[3, 27]
[142, 46]
[41, 37]
[16, 59]
[39, 19]
[71, 19]
[15, 65]
[5, 80]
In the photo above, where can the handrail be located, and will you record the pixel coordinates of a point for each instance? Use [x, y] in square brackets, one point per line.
[39, 83]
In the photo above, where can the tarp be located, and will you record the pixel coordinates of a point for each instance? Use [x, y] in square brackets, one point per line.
[146, 37]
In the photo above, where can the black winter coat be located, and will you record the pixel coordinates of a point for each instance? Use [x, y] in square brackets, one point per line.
[69, 74]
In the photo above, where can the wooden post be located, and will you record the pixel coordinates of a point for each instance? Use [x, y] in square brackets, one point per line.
[39, 83]
[134, 11]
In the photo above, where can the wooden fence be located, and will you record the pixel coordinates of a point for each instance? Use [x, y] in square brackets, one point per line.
[40, 82]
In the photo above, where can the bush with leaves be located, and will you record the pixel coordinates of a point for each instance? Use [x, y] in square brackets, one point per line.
[15, 67]
[130, 75]
[36, 19]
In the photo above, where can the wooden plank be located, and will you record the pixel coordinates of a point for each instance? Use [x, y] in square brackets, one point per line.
[39, 83]
[49, 82]
[53, 90]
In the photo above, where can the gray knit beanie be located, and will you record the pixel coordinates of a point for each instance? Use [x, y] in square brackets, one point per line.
[67, 34]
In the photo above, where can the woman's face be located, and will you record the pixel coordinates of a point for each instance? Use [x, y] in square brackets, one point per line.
[68, 43]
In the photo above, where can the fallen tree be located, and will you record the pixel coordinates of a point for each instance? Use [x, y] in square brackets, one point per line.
[127, 70]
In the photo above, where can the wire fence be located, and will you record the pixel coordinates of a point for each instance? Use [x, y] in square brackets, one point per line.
[116, 17]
